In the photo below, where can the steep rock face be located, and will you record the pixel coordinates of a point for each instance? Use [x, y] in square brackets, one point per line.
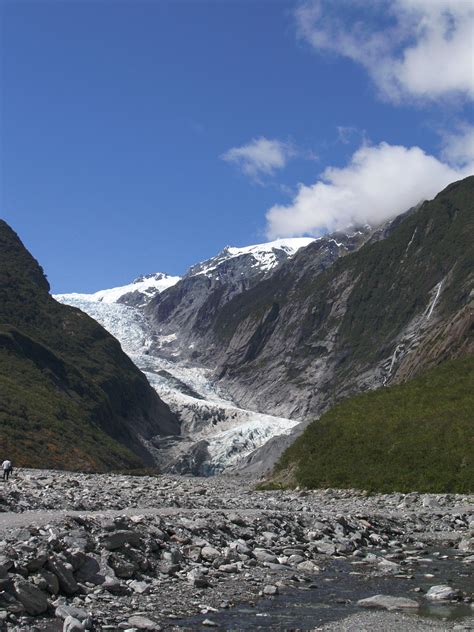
[70, 397]
[312, 333]
[186, 313]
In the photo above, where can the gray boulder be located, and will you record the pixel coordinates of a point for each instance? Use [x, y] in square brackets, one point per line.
[66, 580]
[387, 602]
[33, 599]
[442, 593]
[72, 625]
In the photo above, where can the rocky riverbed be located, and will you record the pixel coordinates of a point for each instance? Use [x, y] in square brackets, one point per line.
[108, 552]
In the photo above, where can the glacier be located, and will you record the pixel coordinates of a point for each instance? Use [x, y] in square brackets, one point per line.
[216, 434]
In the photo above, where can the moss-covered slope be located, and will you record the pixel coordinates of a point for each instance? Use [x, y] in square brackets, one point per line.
[69, 396]
[414, 436]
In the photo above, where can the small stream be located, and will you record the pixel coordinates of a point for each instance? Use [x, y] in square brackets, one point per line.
[333, 595]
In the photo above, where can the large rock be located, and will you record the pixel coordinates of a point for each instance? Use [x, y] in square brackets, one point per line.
[442, 593]
[63, 611]
[5, 565]
[72, 625]
[122, 567]
[50, 581]
[143, 623]
[33, 599]
[90, 571]
[209, 553]
[387, 602]
[262, 555]
[66, 580]
[118, 539]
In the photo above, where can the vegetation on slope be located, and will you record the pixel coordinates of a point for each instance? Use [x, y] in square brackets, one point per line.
[69, 396]
[414, 436]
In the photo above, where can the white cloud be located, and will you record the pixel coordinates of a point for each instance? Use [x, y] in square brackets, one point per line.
[418, 49]
[379, 182]
[261, 156]
[459, 147]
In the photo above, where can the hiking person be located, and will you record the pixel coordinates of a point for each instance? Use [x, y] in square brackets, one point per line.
[7, 469]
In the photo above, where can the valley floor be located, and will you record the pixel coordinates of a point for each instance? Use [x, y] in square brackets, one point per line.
[114, 552]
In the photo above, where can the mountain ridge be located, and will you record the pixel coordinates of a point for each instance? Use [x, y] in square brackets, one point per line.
[316, 328]
[67, 387]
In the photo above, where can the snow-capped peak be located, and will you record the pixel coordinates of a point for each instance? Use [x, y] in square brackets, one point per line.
[290, 246]
[265, 256]
[148, 285]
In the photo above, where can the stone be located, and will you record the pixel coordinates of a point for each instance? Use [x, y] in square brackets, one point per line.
[230, 568]
[387, 567]
[296, 559]
[173, 556]
[326, 548]
[5, 565]
[72, 625]
[143, 623]
[114, 586]
[192, 552]
[387, 602]
[197, 579]
[466, 544]
[50, 580]
[442, 592]
[117, 539]
[89, 571]
[11, 605]
[209, 553]
[121, 566]
[308, 567]
[66, 580]
[263, 555]
[270, 590]
[33, 599]
[63, 611]
[139, 587]
[37, 561]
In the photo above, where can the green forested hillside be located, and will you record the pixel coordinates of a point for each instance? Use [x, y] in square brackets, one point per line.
[69, 396]
[414, 436]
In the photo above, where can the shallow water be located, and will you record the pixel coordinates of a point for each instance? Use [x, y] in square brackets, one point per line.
[333, 594]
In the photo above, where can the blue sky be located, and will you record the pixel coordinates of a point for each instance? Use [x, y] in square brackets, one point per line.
[145, 136]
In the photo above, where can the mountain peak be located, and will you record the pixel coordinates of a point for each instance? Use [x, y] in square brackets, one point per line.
[17, 265]
[264, 256]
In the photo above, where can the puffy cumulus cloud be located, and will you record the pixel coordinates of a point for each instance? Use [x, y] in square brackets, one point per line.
[379, 182]
[418, 49]
[261, 156]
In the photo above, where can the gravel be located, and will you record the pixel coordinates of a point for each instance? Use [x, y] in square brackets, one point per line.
[111, 552]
